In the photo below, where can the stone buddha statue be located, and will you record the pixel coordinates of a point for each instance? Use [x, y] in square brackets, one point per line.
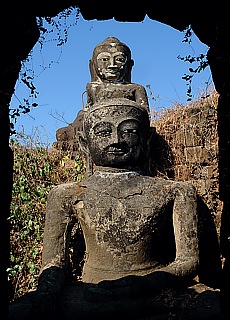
[110, 70]
[140, 232]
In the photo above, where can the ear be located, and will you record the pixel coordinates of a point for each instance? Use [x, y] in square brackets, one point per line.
[93, 71]
[82, 142]
[131, 63]
[152, 132]
[84, 147]
[129, 69]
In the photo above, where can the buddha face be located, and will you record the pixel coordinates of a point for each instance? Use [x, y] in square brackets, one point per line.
[117, 136]
[111, 66]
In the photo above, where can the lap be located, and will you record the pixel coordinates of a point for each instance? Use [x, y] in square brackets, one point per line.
[198, 301]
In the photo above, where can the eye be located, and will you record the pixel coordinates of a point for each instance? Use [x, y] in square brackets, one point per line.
[103, 129]
[105, 58]
[131, 131]
[120, 59]
[103, 133]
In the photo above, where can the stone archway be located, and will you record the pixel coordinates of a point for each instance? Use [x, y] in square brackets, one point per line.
[19, 30]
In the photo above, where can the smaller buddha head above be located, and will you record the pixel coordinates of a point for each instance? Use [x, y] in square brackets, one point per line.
[111, 62]
[116, 134]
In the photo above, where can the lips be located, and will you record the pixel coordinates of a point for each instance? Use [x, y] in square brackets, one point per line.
[116, 150]
[113, 72]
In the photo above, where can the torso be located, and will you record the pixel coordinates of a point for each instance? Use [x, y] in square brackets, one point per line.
[122, 215]
[102, 91]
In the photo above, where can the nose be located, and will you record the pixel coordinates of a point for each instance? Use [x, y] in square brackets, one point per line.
[116, 138]
[112, 63]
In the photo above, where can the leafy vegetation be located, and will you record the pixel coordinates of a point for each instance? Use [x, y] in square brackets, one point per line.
[200, 61]
[36, 170]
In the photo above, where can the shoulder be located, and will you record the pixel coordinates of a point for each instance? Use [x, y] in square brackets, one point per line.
[171, 185]
[138, 87]
[93, 84]
[135, 85]
[66, 190]
[186, 188]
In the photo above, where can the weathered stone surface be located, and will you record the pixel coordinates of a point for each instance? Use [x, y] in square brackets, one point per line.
[110, 70]
[144, 235]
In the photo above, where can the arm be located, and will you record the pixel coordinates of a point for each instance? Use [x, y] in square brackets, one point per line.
[186, 232]
[41, 303]
[58, 224]
[185, 223]
[141, 97]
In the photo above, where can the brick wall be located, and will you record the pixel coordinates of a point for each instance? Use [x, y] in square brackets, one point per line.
[191, 134]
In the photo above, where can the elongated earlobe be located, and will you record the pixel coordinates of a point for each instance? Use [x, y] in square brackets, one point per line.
[152, 132]
[84, 147]
[82, 142]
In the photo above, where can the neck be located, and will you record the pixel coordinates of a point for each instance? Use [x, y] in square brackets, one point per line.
[117, 170]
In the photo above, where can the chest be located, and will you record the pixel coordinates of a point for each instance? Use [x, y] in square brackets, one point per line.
[108, 91]
[122, 212]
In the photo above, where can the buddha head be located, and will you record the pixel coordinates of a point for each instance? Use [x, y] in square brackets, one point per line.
[111, 62]
[116, 134]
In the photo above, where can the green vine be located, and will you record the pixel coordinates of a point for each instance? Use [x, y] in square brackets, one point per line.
[201, 59]
[53, 29]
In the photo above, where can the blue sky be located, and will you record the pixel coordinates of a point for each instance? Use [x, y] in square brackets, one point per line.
[61, 73]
